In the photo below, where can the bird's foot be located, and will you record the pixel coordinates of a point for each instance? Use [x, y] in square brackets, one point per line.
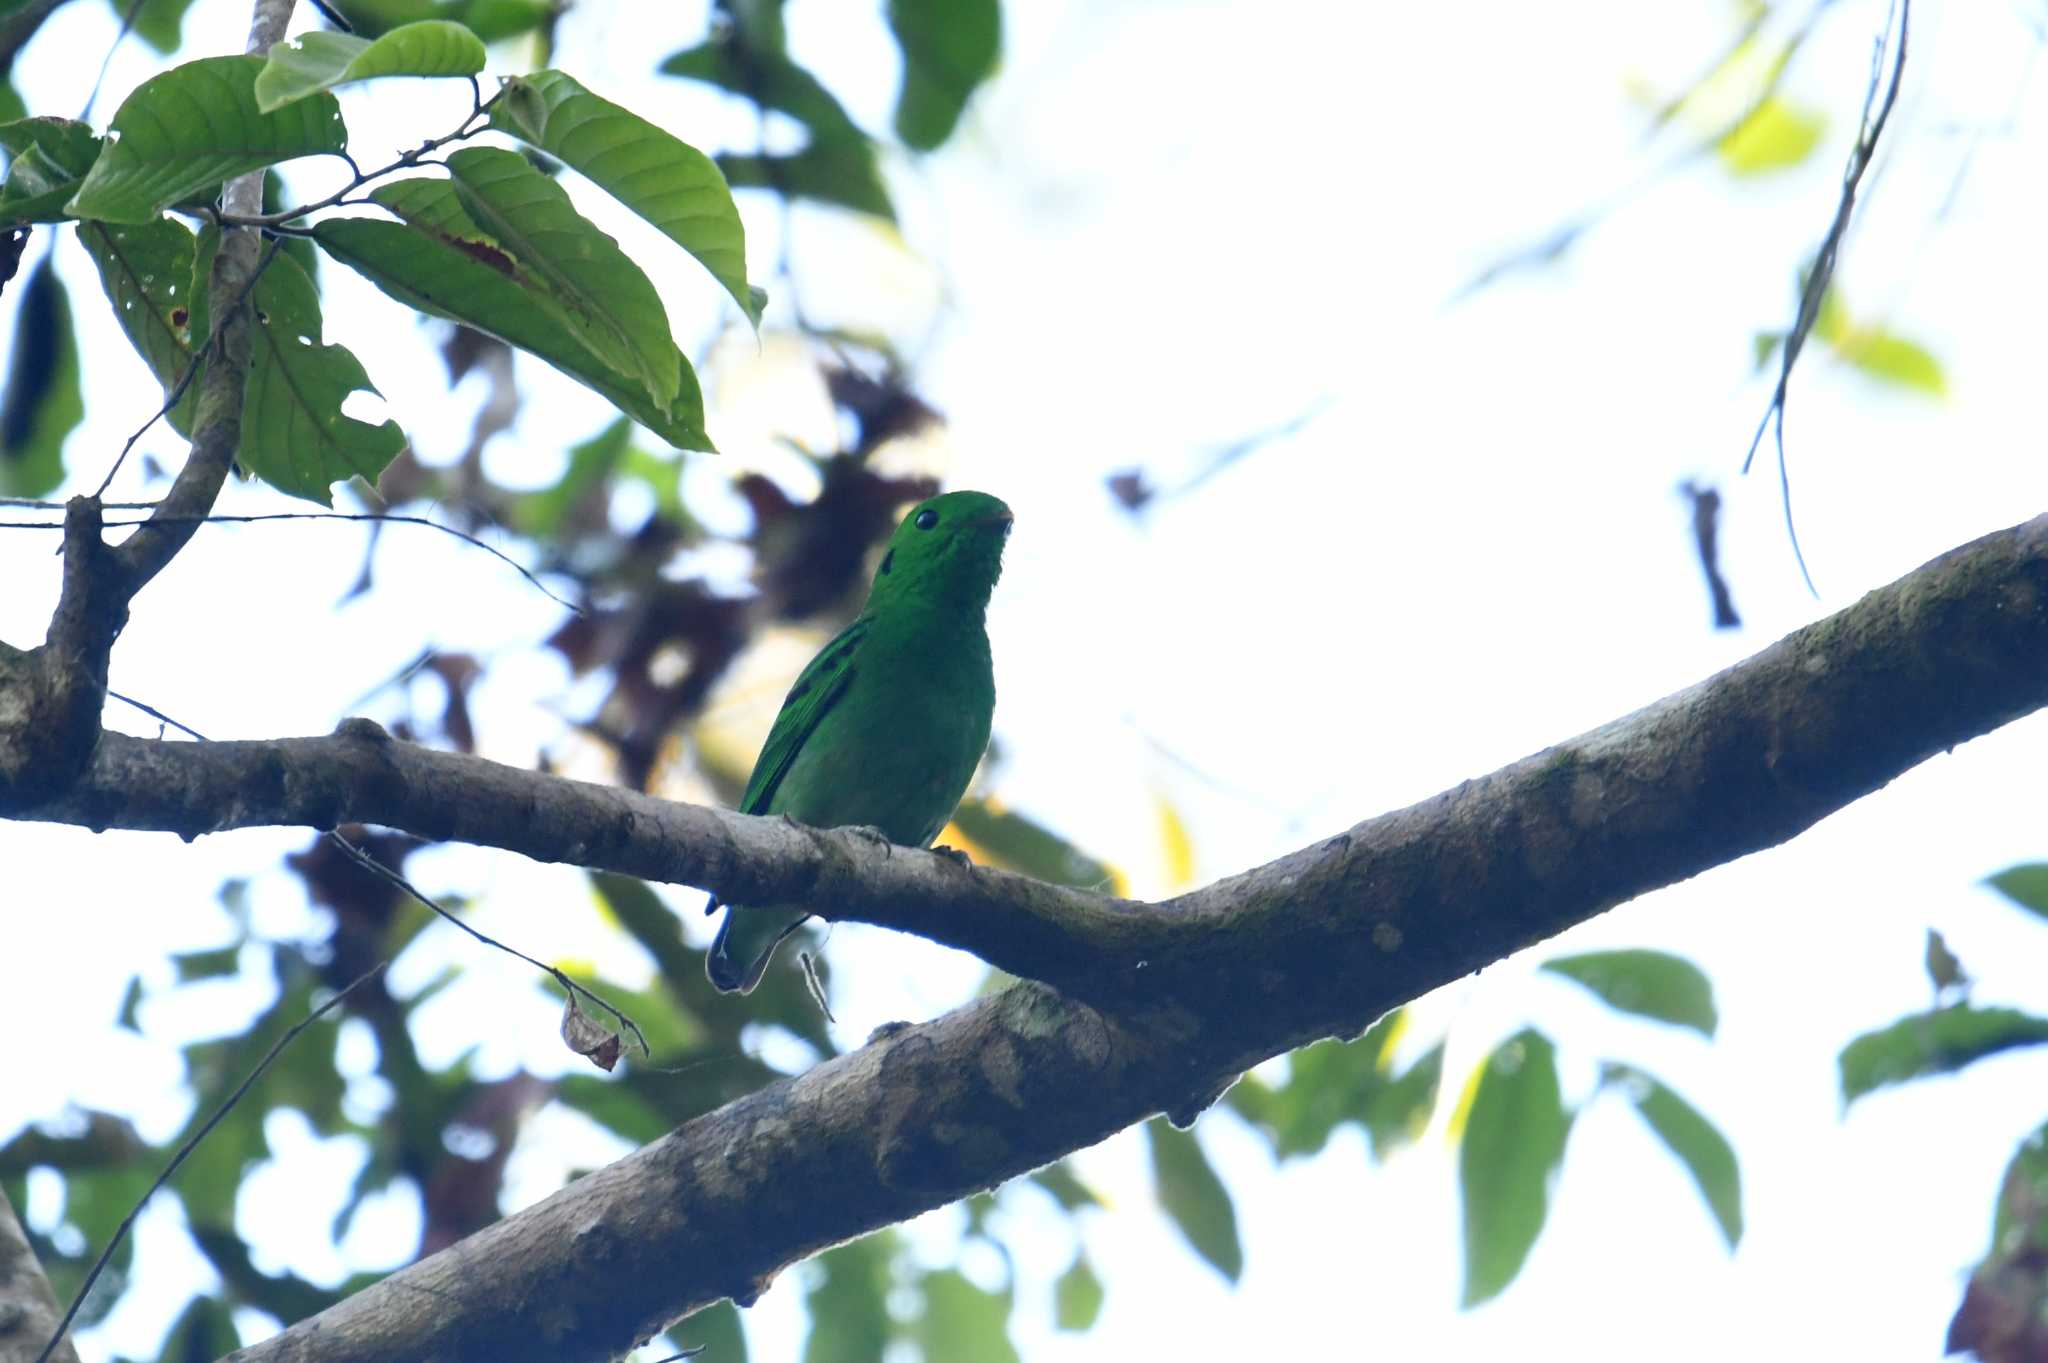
[869, 833]
[956, 856]
[887, 1030]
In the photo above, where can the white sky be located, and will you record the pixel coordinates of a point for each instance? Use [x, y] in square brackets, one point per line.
[1164, 227]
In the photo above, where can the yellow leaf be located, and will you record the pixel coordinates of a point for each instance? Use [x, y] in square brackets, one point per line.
[1454, 1129]
[1775, 135]
[1177, 848]
[1892, 360]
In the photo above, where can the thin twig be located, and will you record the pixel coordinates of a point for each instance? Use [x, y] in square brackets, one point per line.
[127, 27]
[409, 160]
[221, 518]
[191, 1144]
[569, 986]
[157, 715]
[44, 504]
[1821, 276]
[379, 869]
[192, 367]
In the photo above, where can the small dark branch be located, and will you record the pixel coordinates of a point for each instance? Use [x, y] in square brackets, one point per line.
[28, 1308]
[91, 609]
[385, 873]
[1822, 275]
[217, 425]
[16, 32]
[1706, 540]
[418, 156]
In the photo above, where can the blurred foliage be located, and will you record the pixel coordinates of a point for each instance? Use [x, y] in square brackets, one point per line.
[2003, 1315]
[618, 534]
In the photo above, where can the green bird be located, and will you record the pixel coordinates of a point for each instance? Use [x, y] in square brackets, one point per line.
[884, 727]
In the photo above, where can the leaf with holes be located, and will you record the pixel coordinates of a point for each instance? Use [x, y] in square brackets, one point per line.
[660, 177]
[295, 435]
[148, 272]
[440, 262]
[611, 306]
[50, 159]
[193, 127]
[318, 60]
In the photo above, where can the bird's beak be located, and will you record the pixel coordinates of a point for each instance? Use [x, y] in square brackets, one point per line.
[1002, 519]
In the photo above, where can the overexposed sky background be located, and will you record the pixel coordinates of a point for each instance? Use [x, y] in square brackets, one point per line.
[1162, 228]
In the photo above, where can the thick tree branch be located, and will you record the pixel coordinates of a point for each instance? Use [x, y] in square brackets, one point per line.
[51, 697]
[1163, 1004]
[28, 1309]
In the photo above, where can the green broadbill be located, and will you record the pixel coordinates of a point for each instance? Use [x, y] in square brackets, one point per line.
[884, 728]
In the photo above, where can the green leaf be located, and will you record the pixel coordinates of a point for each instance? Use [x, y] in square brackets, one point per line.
[1194, 1197]
[1891, 359]
[2025, 885]
[771, 81]
[1697, 1142]
[42, 402]
[613, 1104]
[847, 1302]
[715, 1332]
[319, 60]
[441, 263]
[1066, 1187]
[1940, 1042]
[839, 174]
[1513, 1143]
[50, 158]
[663, 179]
[1335, 1082]
[1775, 135]
[962, 1321]
[1025, 845]
[207, 965]
[612, 307]
[949, 48]
[544, 512]
[148, 273]
[1077, 1296]
[160, 23]
[633, 903]
[204, 1329]
[295, 435]
[490, 20]
[1651, 984]
[193, 127]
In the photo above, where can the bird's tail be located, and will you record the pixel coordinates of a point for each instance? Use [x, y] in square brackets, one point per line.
[745, 944]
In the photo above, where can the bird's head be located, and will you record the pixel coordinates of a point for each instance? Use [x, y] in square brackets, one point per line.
[949, 549]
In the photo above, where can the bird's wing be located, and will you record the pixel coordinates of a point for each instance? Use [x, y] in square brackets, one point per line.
[818, 688]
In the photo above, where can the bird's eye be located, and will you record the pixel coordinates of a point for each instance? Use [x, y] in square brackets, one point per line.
[927, 518]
